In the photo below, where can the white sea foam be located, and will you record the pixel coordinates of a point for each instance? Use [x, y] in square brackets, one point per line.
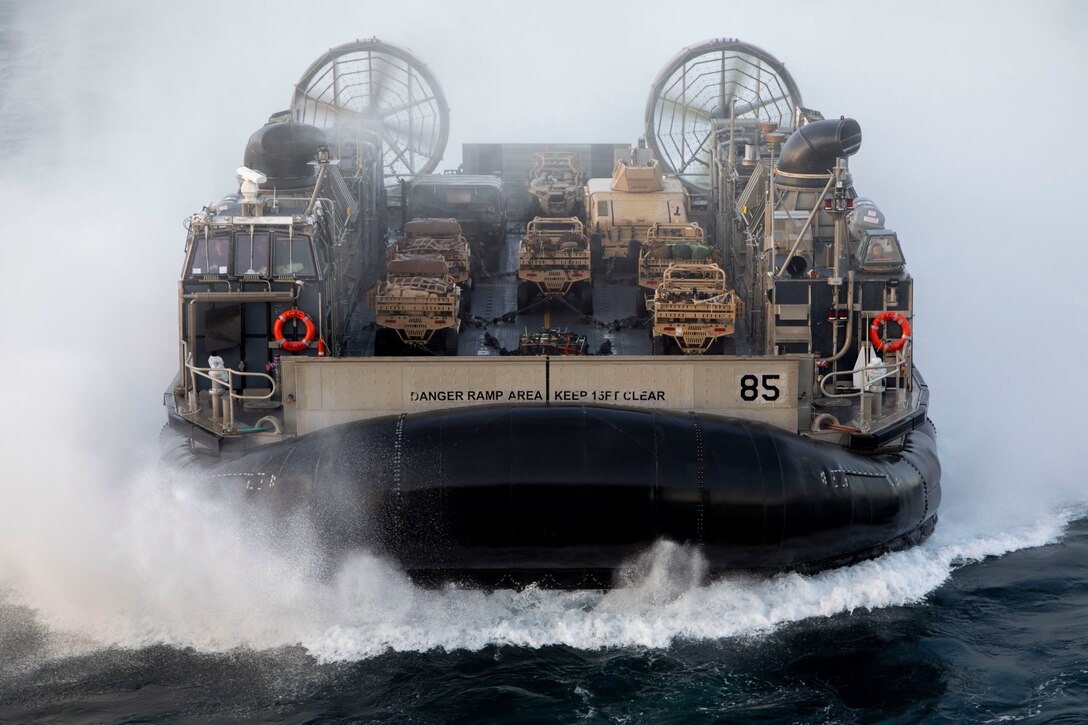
[166, 564]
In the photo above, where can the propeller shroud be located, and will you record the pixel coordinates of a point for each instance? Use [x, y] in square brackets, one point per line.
[695, 93]
[372, 91]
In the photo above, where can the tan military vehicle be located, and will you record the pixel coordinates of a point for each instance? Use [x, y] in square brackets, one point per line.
[554, 261]
[439, 238]
[666, 245]
[694, 310]
[417, 306]
[555, 182]
[621, 210]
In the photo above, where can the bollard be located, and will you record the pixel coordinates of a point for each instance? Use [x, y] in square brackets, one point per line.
[220, 377]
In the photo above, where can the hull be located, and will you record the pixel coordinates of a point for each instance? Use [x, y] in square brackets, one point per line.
[567, 495]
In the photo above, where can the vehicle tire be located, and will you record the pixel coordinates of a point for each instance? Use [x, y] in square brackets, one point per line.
[634, 248]
[382, 344]
[596, 255]
[525, 294]
[450, 341]
[466, 299]
[585, 298]
[658, 345]
[494, 257]
[640, 303]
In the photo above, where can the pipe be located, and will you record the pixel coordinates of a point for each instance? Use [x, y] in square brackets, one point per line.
[321, 169]
[849, 319]
[809, 154]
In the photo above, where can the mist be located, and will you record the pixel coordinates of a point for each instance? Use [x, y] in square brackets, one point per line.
[119, 119]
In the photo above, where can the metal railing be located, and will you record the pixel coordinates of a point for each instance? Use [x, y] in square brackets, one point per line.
[222, 391]
[872, 387]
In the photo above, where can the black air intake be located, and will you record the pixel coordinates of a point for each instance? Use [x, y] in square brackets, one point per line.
[808, 156]
[283, 151]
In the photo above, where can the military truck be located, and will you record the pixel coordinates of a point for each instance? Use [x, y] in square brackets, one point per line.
[417, 307]
[554, 262]
[555, 182]
[476, 202]
[666, 245]
[694, 310]
[621, 210]
[439, 238]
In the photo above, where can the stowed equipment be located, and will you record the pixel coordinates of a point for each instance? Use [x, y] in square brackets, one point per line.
[554, 261]
[555, 182]
[417, 305]
[667, 245]
[694, 310]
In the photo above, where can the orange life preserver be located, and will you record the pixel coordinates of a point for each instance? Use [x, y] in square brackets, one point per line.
[875, 331]
[294, 345]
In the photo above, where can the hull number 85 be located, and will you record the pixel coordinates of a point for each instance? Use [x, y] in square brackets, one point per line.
[760, 387]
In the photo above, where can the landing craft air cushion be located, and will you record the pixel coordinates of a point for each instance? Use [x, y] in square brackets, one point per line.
[544, 444]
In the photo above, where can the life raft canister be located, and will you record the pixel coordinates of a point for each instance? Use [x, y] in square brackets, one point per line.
[294, 345]
[877, 338]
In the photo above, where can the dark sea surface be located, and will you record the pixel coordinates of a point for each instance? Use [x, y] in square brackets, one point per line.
[1002, 639]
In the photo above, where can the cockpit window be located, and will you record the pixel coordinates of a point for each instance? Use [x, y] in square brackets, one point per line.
[293, 256]
[489, 196]
[456, 201]
[880, 251]
[211, 255]
[251, 253]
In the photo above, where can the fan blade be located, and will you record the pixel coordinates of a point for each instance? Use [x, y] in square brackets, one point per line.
[376, 86]
[412, 139]
[749, 107]
[690, 110]
[405, 106]
[339, 112]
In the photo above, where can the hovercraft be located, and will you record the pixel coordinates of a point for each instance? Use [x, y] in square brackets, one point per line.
[343, 335]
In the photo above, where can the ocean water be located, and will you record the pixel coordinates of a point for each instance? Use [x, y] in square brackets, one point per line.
[988, 628]
[127, 596]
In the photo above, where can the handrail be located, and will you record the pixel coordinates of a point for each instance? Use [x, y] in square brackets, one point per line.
[220, 386]
[871, 406]
[887, 367]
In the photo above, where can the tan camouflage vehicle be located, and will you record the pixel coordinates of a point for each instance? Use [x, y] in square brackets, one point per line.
[621, 210]
[666, 245]
[439, 238]
[554, 261]
[417, 306]
[555, 182]
[694, 310]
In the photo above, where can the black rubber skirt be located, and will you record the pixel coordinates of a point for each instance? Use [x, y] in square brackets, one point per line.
[567, 495]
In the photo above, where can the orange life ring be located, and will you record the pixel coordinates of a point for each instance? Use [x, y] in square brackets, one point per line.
[875, 331]
[294, 345]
